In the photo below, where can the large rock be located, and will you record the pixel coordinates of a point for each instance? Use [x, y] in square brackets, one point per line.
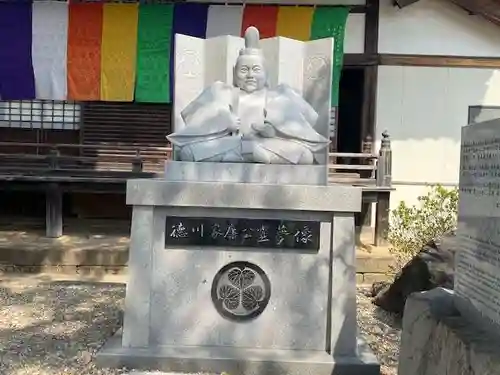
[432, 267]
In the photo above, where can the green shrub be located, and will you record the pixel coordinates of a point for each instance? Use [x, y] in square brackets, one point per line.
[412, 227]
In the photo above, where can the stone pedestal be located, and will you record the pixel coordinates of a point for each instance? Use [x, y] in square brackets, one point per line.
[246, 173]
[301, 302]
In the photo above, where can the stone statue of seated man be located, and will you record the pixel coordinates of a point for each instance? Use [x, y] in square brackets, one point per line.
[247, 121]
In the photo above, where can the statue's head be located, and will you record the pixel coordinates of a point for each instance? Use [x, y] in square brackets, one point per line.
[249, 72]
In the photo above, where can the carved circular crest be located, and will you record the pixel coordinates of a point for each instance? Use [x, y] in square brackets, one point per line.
[240, 291]
[314, 66]
[189, 64]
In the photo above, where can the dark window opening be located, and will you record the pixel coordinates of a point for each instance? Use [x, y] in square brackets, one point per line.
[350, 111]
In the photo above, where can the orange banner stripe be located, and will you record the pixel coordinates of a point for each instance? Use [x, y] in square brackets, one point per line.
[263, 17]
[84, 51]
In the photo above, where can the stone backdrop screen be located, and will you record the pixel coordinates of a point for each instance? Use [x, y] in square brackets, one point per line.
[231, 232]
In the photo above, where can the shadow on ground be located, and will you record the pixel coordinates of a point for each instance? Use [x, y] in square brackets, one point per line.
[55, 328]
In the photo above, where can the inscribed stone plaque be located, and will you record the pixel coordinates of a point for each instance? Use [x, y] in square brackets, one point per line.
[232, 232]
[477, 277]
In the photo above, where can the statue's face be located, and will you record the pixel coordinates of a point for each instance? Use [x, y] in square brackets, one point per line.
[249, 73]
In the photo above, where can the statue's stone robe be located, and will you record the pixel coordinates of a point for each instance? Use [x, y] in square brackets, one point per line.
[211, 116]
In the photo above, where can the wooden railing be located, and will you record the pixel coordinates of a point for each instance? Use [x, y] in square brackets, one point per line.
[365, 168]
[18, 157]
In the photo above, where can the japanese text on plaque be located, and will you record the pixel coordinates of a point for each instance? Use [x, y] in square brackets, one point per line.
[242, 233]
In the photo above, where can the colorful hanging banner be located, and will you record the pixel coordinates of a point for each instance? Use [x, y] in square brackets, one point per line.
[114, 50]
[224, 20]
[49, 47]
[84, 51]
[153, 53]
[119, 52]
[330, 22]
[295, 22]
[263, 17]
[17, 80]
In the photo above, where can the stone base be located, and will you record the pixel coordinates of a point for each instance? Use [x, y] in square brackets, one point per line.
[246, 173]
[437, 340]
[237, 361]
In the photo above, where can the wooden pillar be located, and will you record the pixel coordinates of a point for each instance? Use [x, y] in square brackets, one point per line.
[369, 93]
[384, 180]
[53, 213]
[137, 163]
[53, 158]
[371, 71]
[382, 219]
[366, 207]
[384, 163]
[363, 219]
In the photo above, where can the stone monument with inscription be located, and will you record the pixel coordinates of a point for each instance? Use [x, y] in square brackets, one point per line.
[242, 257]
[458, 332]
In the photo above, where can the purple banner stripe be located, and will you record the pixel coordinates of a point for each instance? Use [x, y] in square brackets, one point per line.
[189, 19]
[17, 81]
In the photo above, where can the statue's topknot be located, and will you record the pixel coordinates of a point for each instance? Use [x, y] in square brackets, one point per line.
[252, 37]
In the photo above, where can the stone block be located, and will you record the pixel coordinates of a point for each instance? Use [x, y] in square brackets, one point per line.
[437, 340]
[293, 319]
[245, 173]
[373, 263]
[332, 198]
[218, 360]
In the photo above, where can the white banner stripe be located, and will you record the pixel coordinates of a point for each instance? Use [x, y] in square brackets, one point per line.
[224, 20]
[49, 48]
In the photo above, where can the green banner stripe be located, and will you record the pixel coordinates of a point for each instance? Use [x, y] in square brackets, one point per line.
[330, 22]
[153, 53]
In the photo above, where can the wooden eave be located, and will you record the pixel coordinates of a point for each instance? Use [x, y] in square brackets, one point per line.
[488, 9]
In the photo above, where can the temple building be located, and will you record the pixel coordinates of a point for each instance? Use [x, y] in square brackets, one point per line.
[86, 95]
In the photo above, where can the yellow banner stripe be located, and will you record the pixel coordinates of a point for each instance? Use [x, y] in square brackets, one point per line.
[295, 22]
[118, 52]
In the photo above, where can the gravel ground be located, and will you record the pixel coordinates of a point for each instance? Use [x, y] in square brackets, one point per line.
[381, 330]
[55, 328]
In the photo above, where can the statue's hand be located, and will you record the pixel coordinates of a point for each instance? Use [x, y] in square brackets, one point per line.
[265, 130]
[247, 137]
[235, 126]
[257, 128]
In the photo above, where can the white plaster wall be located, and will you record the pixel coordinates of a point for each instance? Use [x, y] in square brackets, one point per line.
[435, 27]
[423, 109]
[354, 38]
